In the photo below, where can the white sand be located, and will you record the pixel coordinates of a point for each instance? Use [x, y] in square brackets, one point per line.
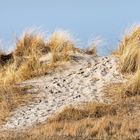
[82, 81]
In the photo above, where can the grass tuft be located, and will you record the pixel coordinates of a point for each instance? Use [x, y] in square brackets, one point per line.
[30, 49]
[93, 44]
[129, 50]
[133, 87]
[61, 45]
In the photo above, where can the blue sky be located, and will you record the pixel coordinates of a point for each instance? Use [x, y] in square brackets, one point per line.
[84, 18]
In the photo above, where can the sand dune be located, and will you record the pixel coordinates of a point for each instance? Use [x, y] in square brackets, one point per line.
[78, 82]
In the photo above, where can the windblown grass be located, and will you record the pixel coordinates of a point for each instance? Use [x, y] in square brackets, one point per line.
[30, 48]
[61, 45]
[129, 50]
[133, 87]
[30, 45]
[117, 120]
[130, 88]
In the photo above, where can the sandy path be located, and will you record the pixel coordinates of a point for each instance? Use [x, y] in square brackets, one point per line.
[80, 82]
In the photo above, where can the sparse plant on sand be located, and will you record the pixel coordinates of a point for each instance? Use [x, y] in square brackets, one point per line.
[92, 46]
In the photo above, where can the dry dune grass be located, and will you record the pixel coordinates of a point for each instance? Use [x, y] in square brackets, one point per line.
[100, 122]
[119, 120]
[129, 55]
[29, 49]
[61, 45]
[129, 50]
[26, 64]
[30, 43]
[90, 110]
[11, 97]
[133, 87]
[120, 91]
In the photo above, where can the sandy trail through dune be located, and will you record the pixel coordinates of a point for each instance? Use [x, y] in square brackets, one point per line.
[82, 81]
